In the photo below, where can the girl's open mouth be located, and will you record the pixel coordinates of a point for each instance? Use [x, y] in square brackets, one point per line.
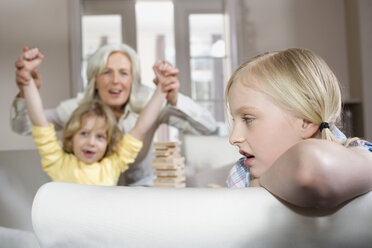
[248, 160]
[89, 154]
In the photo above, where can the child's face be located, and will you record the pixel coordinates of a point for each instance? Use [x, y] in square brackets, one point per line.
[90, 142]
[262, 130]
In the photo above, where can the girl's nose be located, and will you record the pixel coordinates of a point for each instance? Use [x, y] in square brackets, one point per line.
[92, 140]
[235, 136]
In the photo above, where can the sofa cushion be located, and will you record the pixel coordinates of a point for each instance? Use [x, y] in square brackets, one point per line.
[73, 215]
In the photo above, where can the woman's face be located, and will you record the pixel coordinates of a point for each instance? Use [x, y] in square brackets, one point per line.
[114, 83]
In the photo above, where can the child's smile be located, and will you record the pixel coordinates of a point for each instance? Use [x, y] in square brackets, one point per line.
[89, 154]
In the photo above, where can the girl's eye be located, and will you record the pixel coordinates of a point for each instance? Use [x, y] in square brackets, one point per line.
[100, 136]
[247, 119]
[84, 133]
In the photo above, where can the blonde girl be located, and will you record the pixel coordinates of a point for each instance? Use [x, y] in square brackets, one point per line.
[284, 108]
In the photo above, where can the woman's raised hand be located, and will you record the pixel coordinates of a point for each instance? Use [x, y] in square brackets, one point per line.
[31, 59]
[23, 76]
[171, 84]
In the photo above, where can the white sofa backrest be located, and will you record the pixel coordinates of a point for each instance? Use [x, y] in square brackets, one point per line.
[72, 215]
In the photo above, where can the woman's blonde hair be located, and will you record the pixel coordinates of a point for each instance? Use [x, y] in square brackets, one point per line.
[97, 63]
[297, 79]
[92, 108]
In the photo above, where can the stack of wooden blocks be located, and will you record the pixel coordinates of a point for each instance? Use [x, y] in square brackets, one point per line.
[169, 165]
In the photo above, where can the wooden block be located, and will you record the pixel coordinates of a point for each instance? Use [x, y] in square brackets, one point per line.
[179, 169]
[169, 173]
[172, 149]
[166, 144]
[167, 166]
[166, 152]
[178, 160]
[213, 185]
[170, 179]
[170, 185]
[170, 163]
[175, 155]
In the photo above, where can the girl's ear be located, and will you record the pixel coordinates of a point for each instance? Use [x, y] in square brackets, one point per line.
[309, 129]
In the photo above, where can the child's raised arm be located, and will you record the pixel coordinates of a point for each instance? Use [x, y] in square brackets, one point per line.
[151, 111]
[32, 59]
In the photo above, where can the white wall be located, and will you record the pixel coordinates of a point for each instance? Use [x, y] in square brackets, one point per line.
[36, 23]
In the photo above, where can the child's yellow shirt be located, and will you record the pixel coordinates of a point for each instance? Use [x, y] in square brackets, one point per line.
[65, 167]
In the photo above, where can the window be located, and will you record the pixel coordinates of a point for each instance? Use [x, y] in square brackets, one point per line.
[201, 55]
[188, 33]
[155, 36]
[207, 54]
[155, 41]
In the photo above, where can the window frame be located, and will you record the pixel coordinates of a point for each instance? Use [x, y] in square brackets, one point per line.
[182, 10]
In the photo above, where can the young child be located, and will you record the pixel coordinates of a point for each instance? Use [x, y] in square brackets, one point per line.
[285, 106]
[94, 149]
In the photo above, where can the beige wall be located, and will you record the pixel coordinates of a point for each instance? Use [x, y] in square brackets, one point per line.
[365, 12]
[36, 23]
[317, 25]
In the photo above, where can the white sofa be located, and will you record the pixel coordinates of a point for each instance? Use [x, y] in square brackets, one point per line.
[71, 215]
[199, 217]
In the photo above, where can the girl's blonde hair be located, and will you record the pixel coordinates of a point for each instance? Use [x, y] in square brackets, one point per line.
[297, 79]
[92, 108]
[97, 63]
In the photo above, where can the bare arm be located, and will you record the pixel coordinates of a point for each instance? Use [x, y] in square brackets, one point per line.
[34, 104]
[151, 111]
[318, 173]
